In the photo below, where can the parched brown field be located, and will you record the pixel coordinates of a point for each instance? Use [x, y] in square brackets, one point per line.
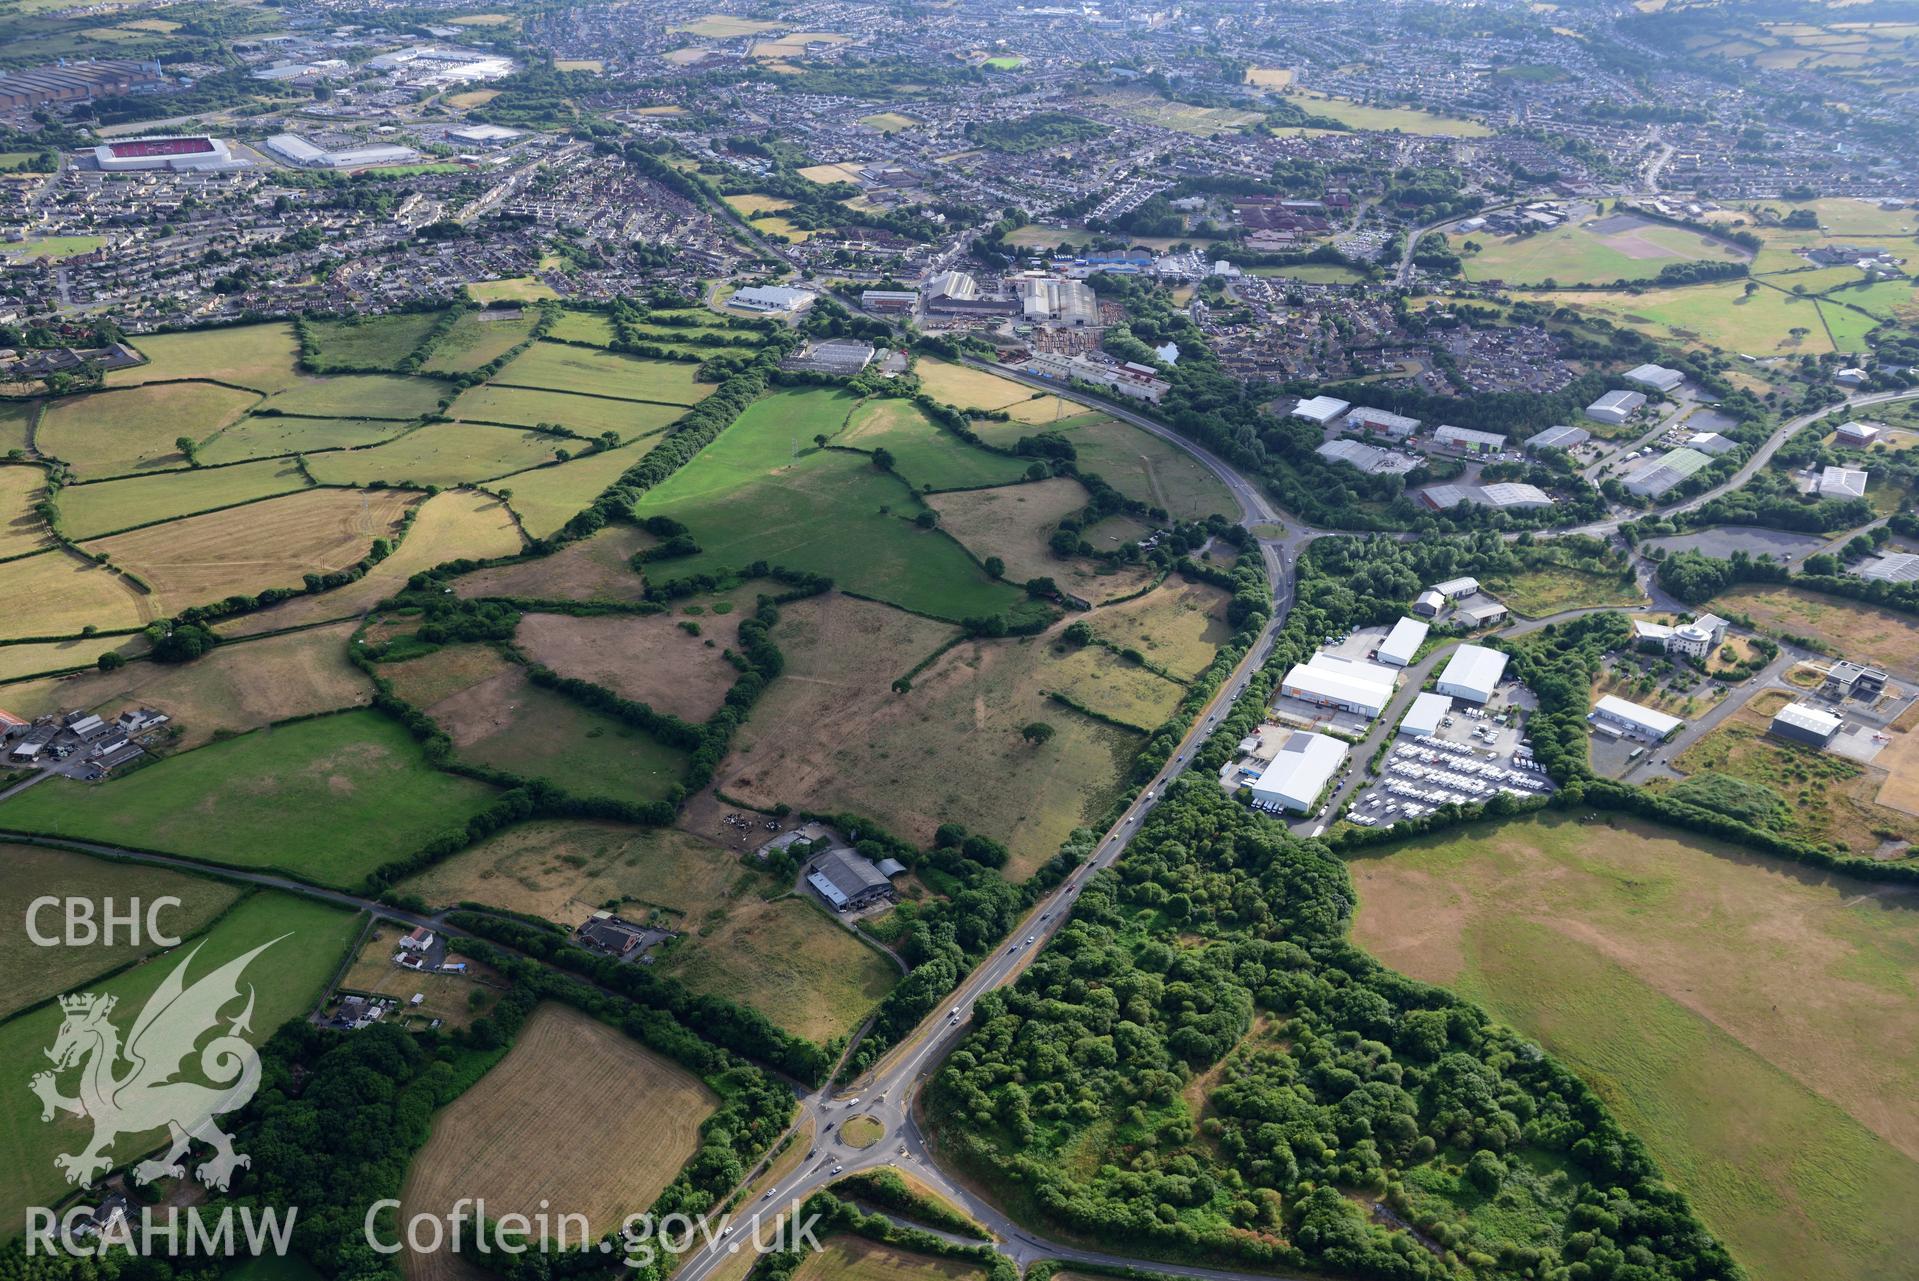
[831, 735]
[968, 388]
[567, 869]
[1095, 677]
[111, 433]
[1013, 523]
[506, 1141]
[847, 1258]
[596, 568]
[433, 678]
[451, 525]
[21, 530]
[237, 687]
[17, 661]
[648, 658]
[1850, 628]
[248, 549]
[56, 594]
[1900, 760]
[1180, 625]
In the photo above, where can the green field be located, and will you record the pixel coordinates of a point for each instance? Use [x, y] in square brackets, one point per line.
[1136, 463]
[473, 342]
[1577, 254]
[272, 437]
[369, 342]
[21, 529]
[112, 433]
[1888, 299]
[1847, 327]
[15, 418]
[257, 356]
[328, 800]
[924, 454]
[1314, 273]
[360, 396]
[604, 373]
[747, 497]
[589, 415]
[286, 980]
[1751, 1022]
[51, 246]
[1713, 315]
[548, 497]
[439, 454]
[582, 326]
[87, 511]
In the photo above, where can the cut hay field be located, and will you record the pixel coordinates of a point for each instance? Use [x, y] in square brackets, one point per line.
[1749, 1020]
[604, 373]
[328, 800]
[966, 388]
[248, 549]
[588, 415]
[474, 341]
[89, 510]
[504, 1142]
[369, 342]
[583, 326]
[1269, 77]
[388, 396]
[923, 453]
[648, 658]
[1848, 628]
[848, 1258]
[1712, 315]
[831, 736]
[1179, 625]
[34, 973]
[599, 567]
[35, 659]
[1014, 522]
[450, 526]
[57, 593]
[112, 433]
[443, 454]
[567, 869]
[21, 529]
[747, 498]
[273, 437]
[257, 356]
[287, 980]
[548, 497]
[786, 960]
[506, 722]
[1594, 251]
[1137, 463]
[234, 689]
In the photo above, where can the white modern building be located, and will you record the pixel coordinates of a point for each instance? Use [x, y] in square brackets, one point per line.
[295, 150]
[1695, 639]
[1711, 442]
[1632, 718]
[1351, 685]
[1299, 772]
[1321, 409]
[1379, 420]
[1558, 438]
[1842, 482]
[1454, 588]
[1615, 407]
[1657, 475]
[1429, 603]
[1466, 440]
[1894, 567]
[1658, 377]
[1403, 642]
[1472, 673]
[1370, 459]
[770, 298]
[1513, 494]
[1426, 714]
[484, 135]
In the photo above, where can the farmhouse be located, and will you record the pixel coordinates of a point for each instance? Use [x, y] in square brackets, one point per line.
[1378, 420]
[1625, 717]
[1321, 409]
[1403, 642]
[1658, 377]
[1803, 723]
[1615, 407]
[605, 932]
[1348, 684]
[1558, 438]
[419, 939]
[1299, 772]
[10, 725]
[1472, 673]
[1893, 567]
[1426, 713]
[847, 881]
[1842, 482]
[1655, 476]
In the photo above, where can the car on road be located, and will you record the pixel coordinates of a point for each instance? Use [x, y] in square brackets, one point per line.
[1029, 940]
[838, 1168]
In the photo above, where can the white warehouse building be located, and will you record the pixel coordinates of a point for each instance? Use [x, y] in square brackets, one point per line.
[1426, 713]
[1321, 409]
[1300, 772]
[1348, 684]
[1633, 718]
[1403, 642]
[1472, 674]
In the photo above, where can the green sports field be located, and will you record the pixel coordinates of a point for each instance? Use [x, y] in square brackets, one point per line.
[306, 941]
[328, 800]
[762, 491]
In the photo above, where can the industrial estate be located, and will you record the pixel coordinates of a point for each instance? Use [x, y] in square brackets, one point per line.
[1229, 639]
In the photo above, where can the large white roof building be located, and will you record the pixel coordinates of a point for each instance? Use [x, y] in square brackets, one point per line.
[1634, 717]
[1349, 684]
[1472, 674]
[1300, 772]
[1427, 711]
[1403, 642]
[1321, 409]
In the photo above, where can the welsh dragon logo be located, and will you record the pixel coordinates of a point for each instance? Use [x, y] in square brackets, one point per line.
[135, 1089]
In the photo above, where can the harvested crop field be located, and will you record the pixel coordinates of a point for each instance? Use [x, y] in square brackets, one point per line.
[257, 356]
[787, 960]
[567, 869]
[604, 373]
[1846, 627]
[503, 1140]
[588, 415]
[1179, 625]
[964, 387]
[595, 568]
[443, 454]
[245, 550]
[1750, 1020]
[111, 433]
[1014, 523]
[648, 658]
[21, 529]
[56, 593]
[548, 497]
[831, 736]
[87, 511]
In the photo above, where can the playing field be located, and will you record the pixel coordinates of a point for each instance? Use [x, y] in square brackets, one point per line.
[830, 735]
[548, 497]
[257, 356]
[56, 593]
[1182, 117]
[1596, 250]
[513, 289]
[245, 550]
[387, 396]
[1850, 629]
[723, 26]
[762, 492]
[111, 433]
[1014, 522]
[923, 453]
[786, 960]
[34, 973]
[369, 342]
[21, 529]
[1269, 77]
[478, 338]
[1179, 625]
[604, 373]
[286, 981]
[1749, 1020]
[595, 568]
[89, 510]
[443, 454]
[587, 415]
[651, 659]
[328, 800]
[846, 1258]
[890, 122]
[505, 1142]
